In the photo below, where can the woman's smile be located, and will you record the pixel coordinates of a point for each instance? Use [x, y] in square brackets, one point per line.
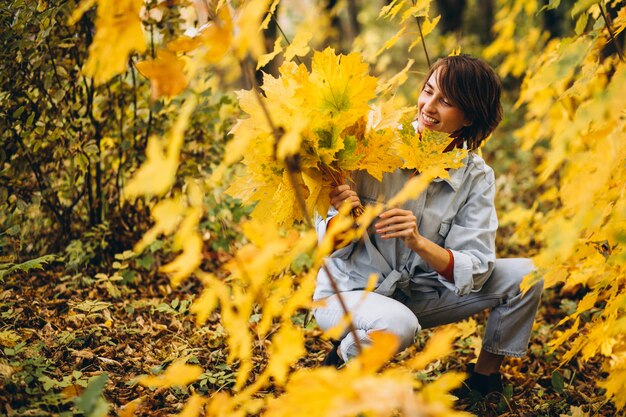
[436, 111]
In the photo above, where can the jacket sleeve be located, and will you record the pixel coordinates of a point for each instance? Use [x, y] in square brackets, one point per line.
[320, 227]
[472, 236]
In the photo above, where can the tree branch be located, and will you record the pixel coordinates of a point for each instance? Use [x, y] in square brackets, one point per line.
[419, 26]
[618, 48]
[291, 169]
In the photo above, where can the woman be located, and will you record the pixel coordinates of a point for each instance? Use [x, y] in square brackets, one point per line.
[435, 256]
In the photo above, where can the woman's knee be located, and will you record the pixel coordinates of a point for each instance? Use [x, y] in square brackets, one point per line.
[403, 324]
[510, 272]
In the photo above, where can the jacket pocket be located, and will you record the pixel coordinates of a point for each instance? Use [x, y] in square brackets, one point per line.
[444, 229]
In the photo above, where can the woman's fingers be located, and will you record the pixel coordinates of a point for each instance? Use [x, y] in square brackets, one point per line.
[342, 194]
[396, 216]
[395, 212]
[338, 190]
[397, 227]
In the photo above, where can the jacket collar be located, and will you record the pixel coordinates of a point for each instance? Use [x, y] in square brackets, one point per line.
[456, 175]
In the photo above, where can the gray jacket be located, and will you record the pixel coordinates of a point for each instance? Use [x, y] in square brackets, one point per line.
[457, 213]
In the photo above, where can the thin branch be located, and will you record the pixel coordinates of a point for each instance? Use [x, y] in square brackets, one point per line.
[618, 48]
[284, 36]
[419, 26]
[44, 186]
[301, 202]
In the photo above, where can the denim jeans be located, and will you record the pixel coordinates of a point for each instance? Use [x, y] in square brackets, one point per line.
[508, 327]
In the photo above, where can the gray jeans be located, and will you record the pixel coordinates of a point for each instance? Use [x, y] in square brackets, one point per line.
[508, 327]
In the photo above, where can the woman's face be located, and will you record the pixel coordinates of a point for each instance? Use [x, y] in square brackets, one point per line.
[436, 112]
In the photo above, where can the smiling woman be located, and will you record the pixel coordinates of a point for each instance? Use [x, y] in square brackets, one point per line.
[461, 96]
[435, 255]
[436, 111]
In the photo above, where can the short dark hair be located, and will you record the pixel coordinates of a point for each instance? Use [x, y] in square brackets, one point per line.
[473, 86]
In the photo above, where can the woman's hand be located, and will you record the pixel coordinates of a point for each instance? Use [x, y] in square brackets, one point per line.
[399, 223]
[343, 194]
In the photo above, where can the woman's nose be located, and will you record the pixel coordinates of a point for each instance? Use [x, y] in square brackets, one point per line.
[428, 105]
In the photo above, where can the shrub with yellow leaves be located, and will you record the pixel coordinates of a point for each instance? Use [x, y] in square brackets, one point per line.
[573, 94]
[307, 132]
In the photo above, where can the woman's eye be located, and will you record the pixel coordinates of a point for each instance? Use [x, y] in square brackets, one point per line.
[446, 102]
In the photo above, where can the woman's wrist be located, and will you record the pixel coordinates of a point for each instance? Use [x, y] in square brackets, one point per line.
[418, 244]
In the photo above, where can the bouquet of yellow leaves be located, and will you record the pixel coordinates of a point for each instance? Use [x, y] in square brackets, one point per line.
[327, 129]
[322, 117]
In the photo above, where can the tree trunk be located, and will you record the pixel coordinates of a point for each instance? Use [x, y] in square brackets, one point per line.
[451, 15]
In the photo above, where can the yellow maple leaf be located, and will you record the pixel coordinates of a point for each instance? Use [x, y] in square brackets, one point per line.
[270, 14]
[177, 374]
[183, 44]
[214, 290]
[299, 45]
[265, 58]
[118, 33]
[129, 409]
[217, 35]
[193, 406]
[429, 25]
[191, 257]
[338, 87]
[438, 391]
[420, 9]
[392, 9]
[414, 187]
[158, 173]
[384, 346]
[167, 215]
[392, 41]
[287, 348]
[438, 346]
[373, 152]
[319, 191]
[421, 151]
[165, 74]
[248, 36]
[397, 80]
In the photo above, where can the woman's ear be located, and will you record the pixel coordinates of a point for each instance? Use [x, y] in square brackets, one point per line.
[467, 122]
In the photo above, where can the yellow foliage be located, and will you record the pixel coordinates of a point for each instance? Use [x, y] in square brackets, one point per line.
[177, 374]
[395, 81]
[265, 58]
[440, 343]
[158, 173]
[193, 407]
[118, 33]
[248, 37]
[424, 151]
[573, 96]
[165, 73]
[429, 26]
[339, 87]
[299, 45]
[414, 187]
[217, 36]
[287, 348]
[167, 214]
[322, 118]
[358, 389]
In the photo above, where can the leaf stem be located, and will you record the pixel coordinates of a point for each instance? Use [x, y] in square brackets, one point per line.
[301, 202]
[284, 36]
[419, 26]
[618, 48]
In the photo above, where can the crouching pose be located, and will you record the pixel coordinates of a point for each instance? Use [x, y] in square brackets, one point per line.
[435, 255]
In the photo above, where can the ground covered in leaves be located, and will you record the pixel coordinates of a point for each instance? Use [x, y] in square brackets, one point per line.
[60, 332]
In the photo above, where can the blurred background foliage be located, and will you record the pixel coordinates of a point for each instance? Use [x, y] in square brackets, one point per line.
[69, 147]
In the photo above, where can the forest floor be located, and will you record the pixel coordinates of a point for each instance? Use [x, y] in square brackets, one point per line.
[58, 331]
